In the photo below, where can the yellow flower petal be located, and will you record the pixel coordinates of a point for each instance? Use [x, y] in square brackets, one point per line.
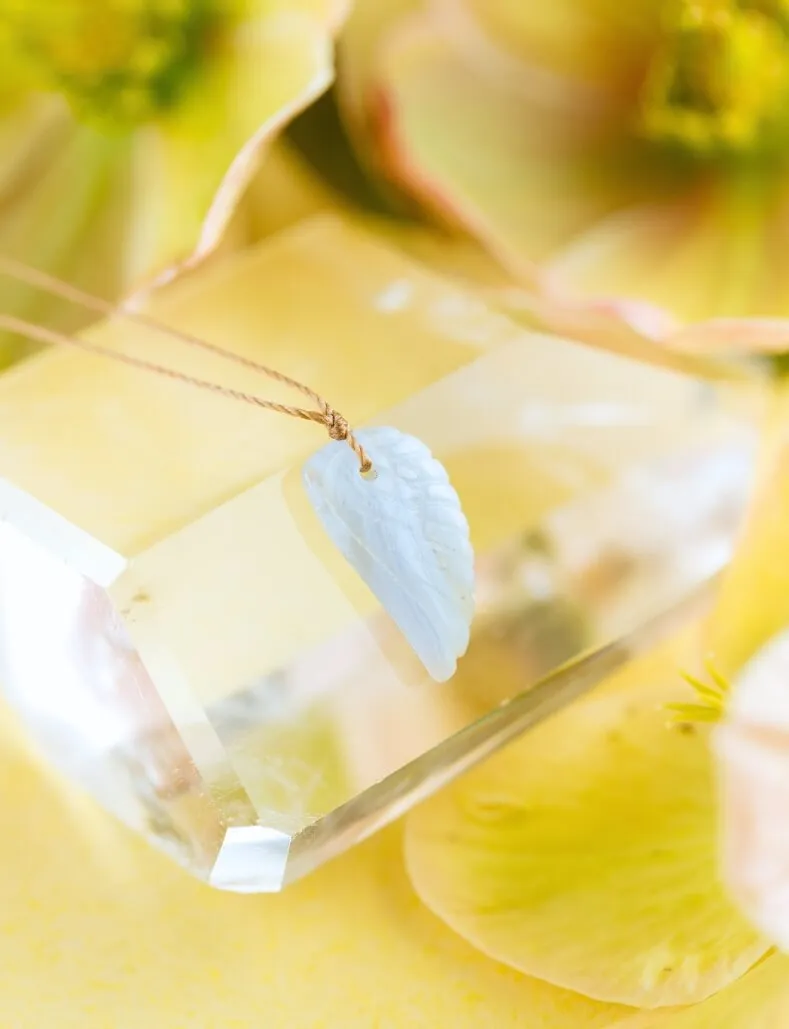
[66, 214]
[585, 854]
[758, 1000]
[349, 947]
[597, 40]
[284, 191]
[746, 635]
[753, 601]
[16, 79]
[29, 131]
[701, 255]
[537, 165]
[520, 169]
[331, 13]
[191, 170]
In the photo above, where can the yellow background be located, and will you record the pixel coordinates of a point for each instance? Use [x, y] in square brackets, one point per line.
[97, 930]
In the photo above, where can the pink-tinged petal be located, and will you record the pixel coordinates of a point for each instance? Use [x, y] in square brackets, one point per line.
[524, 168]
[752, 748]
[359, 58]
[192, 169]
[631, 328]
[359, 52]
[733, 336]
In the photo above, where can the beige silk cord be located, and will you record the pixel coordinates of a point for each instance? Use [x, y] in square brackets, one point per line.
[335, 424]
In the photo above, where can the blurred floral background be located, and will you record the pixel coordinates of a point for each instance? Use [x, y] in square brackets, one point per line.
[613, 173]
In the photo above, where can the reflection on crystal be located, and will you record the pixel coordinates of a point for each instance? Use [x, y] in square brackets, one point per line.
[233, 693]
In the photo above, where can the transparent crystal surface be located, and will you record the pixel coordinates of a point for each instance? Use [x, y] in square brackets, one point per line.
[215, 674]
[225, 714]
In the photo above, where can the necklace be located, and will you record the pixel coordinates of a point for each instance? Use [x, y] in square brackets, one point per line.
[382, 498]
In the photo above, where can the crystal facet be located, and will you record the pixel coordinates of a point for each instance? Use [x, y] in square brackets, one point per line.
[183, 638]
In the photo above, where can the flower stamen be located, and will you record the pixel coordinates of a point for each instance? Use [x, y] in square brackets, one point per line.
[711, 698]
[119, 64]
[719, 80]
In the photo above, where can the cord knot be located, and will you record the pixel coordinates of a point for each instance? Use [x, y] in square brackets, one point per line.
[337, 426]
[339, 430]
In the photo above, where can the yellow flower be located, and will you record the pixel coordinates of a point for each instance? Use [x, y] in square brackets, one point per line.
[587, 854]
[129, 130]
[627, 163]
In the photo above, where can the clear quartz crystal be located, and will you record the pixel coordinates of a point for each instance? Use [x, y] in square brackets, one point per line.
[227, 687]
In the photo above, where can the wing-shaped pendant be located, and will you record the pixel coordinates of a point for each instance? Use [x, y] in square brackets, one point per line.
[405, 534]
